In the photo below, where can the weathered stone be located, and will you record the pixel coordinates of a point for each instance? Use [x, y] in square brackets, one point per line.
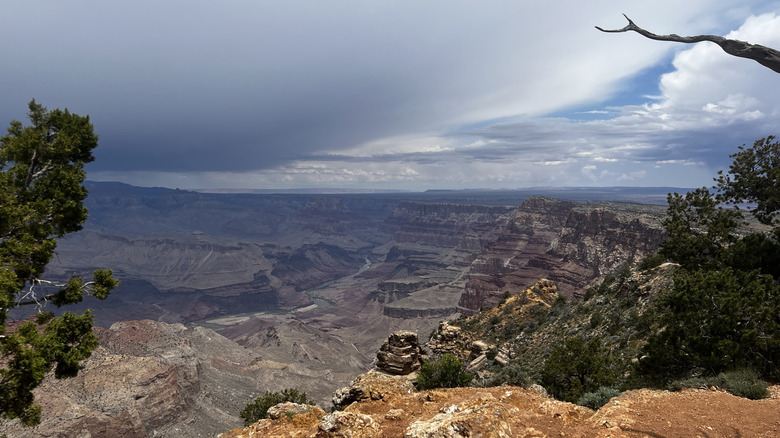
[289, 409]
[348, 425]
[372, 385]
[450, 339]
[477, 363]
[395, 414]
[400, 353]
[478, 348]
[504, 354]
[486, 419]
[539, 389]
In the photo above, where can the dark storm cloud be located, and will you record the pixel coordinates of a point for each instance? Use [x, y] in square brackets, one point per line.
[200, 86]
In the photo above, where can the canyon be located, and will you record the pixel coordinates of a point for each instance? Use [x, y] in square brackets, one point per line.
[226, 296]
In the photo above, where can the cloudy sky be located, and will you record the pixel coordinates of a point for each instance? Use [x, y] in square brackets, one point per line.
[395, 94]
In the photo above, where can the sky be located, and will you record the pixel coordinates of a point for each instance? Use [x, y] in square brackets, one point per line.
[400, 95]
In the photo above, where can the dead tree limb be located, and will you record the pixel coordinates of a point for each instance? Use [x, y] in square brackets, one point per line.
[768, 57]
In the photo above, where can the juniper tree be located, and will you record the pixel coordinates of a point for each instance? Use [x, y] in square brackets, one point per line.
[754, 177]
[41, 199]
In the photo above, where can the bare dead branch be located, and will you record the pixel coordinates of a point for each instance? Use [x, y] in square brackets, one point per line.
[30, 296]
[768, 57]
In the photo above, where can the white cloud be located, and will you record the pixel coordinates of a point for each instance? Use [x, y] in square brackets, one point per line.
[633, 176]
[587, 172]
[395, 146]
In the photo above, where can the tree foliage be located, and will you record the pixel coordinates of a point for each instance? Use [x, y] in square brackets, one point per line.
[577, 367]
[446, 372]
[258, 409]
[41, 199]
[723, 313]
[714, 321]
[698, 229]
[754, 177]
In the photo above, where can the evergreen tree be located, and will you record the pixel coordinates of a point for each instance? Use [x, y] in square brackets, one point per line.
[698, 230]
[724, 311]
[714, 321]
[41, 199]
[754, 177]
[577, 367]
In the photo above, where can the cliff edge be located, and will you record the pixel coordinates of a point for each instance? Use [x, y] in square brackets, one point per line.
[507, 411]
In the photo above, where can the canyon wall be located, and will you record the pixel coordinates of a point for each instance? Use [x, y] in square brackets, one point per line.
[569, 243]
[293, 301]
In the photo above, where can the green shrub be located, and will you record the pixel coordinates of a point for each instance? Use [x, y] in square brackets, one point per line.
[691, 382]
[529, 327]
[446, 372]
[504, 298]
[596, 318]
[651, 261]
[598, 398]
[718, 321]
[258, 409]
[742, 383]
[511, 375]
[577, 367]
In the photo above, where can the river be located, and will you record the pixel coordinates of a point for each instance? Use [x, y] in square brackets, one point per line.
[317, 301]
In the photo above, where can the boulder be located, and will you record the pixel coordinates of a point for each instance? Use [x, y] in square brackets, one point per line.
[373, 385]
[504, 354]
[450, 339]
[348, 425]
[478, 348]
[486, 419]
[477, 364]
[400, 354]
[288, 409]
[546, 290]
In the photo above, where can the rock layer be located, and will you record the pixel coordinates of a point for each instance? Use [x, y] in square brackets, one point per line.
[400, 354]
[569, 243]
[150, 379]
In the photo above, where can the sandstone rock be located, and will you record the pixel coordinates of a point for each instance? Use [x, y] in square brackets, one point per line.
[504, 354]
[486, 419]
[399, 354]
[546, 290]
[512, 411]
[477, 363]
[289, 409]
[395, 414]
[539, 389]
[372, 385]
[450, 339]
[348, 425]
[478, 348]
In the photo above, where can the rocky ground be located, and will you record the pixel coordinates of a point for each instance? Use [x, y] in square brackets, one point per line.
[508, 411]
[384, 403]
